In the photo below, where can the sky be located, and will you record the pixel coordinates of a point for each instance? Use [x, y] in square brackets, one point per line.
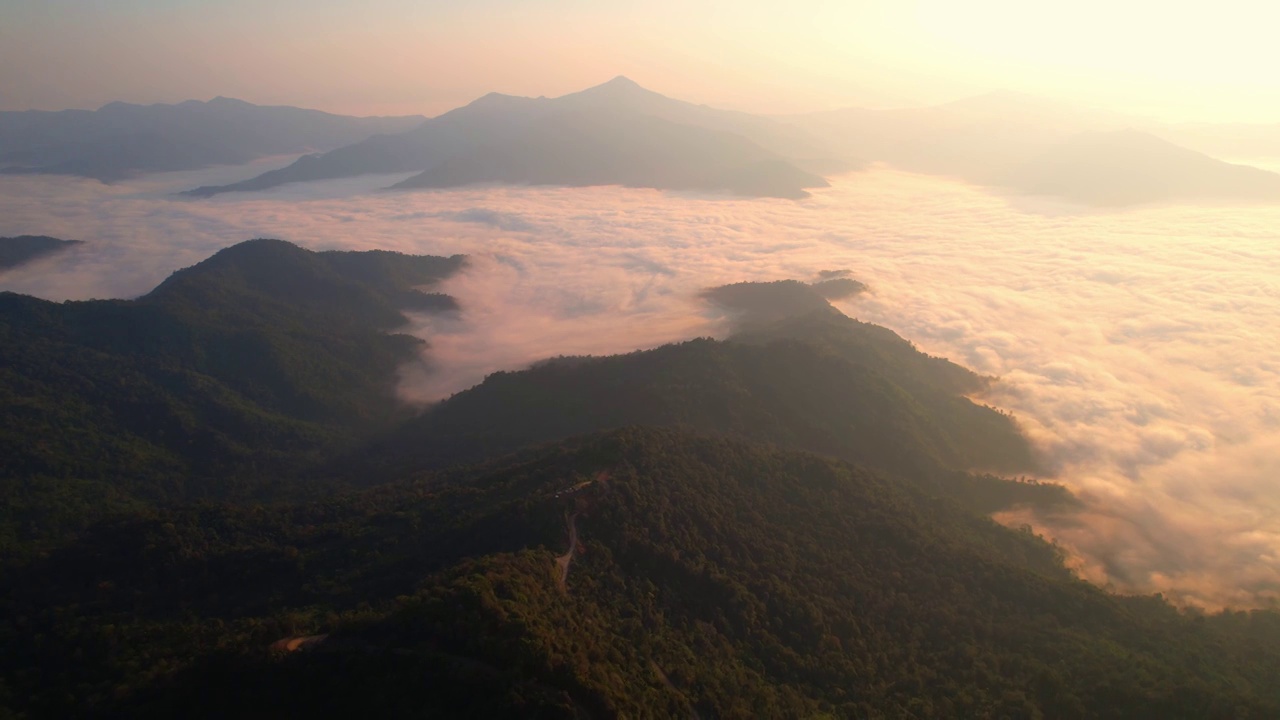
[1187, 61]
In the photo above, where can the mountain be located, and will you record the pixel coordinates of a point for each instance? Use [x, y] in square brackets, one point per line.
[637, 573]
[15, 251]
[501, 138]
[583, 148]
[976, 139]
[1021, 143]
[1129, 167]
[751, 303]
[212, 506]
[249, 365]
[814, 380]
[621, 93]
[121, 140]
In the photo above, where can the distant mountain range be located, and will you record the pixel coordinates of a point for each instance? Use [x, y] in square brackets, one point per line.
[1031, 146]
[15, 251]
[620, 133]
[121, 140]
[617, 133]
[1130, 167]
[1227, 140]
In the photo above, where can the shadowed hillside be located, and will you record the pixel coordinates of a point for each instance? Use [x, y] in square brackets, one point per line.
[214, 507]
[715, 578]
[242, 367]
[808, 379]
[15, 251]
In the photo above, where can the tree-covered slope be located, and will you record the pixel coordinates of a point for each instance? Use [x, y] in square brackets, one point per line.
[249, 363]
[712, 578]
[764, 312]
[15, 251]
[816, 380]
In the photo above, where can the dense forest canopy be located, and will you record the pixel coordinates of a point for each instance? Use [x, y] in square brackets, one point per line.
[15, 251]
[214, 506]
[258, 361]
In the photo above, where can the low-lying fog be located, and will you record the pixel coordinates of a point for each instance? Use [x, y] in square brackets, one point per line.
[1141, 350]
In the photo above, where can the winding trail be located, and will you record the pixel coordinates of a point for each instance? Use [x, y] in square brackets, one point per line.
[563, 561]
[299, 642]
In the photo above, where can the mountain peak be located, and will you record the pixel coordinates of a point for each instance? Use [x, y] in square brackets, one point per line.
[620, 86]
[118, 106]
[229, 102]
[497, 99]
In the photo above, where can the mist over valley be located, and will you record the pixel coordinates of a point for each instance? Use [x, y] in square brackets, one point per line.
[1132, 347]
[866, 360]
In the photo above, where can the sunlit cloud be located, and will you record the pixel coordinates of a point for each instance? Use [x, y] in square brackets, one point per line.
[1139, 350]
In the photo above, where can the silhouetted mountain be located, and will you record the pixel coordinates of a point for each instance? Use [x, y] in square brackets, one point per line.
[839, 288]
[482, 142]
[704, 577]
[1129, 167]
[15, 251]
[622, 93]
[618, 147]
[752, 303]
[243, 367]
[814, 322]
[121, 140]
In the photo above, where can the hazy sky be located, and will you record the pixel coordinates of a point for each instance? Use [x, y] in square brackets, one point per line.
[1184, 60]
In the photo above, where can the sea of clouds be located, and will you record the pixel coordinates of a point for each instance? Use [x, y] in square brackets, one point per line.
[1140, 349]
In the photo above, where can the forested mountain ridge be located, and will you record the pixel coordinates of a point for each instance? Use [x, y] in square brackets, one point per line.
[243, 365]
[816, 381]
[780, 524]
[16, 251]
[715, 577]
[763, 312]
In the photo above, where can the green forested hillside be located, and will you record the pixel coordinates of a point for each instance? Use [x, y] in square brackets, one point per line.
[243, 366]
[816, 380]
[714, 578]
[213, 506]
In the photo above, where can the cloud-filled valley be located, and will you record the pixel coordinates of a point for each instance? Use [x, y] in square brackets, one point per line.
[1139, 349]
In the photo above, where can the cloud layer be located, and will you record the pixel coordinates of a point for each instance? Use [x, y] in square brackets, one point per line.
[1140, 350]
